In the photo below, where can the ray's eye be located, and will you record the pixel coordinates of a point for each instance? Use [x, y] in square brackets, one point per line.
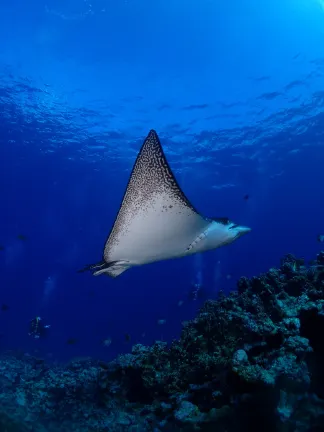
[221, 220]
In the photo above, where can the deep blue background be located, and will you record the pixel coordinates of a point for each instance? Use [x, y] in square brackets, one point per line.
[235, 92]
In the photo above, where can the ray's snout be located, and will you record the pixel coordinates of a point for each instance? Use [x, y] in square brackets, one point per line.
[241, 230]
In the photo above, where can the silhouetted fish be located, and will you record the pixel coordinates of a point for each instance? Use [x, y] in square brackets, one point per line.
[161, 321]
[106, 342]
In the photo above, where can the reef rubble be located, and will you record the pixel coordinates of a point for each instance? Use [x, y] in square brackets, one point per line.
[253, 360]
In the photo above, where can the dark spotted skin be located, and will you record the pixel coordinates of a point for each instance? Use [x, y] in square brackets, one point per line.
[151, 175]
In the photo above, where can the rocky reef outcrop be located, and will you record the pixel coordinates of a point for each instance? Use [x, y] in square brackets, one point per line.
[251, 361]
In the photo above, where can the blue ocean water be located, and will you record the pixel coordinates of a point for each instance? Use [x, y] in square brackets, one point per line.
[235, 92]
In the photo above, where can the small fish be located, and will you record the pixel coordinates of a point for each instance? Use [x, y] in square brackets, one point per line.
[161, 321]
[2, 248]
[180, 303]
[4, 307]
[246, 197]
[320, 238]
[106, 342]
[127, 337]
[71, 341]
[21, 237]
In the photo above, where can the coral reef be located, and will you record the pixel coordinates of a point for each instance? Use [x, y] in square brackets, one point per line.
[251, 361]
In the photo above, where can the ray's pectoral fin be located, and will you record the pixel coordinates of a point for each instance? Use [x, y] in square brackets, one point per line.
[112, 269]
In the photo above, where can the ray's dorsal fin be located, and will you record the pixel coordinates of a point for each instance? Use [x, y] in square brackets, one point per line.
[112, 269]
[94, 267]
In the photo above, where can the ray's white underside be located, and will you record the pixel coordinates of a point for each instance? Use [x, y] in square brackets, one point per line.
[163, 230]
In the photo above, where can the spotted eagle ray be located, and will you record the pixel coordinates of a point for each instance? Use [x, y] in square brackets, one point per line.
[156, 221]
